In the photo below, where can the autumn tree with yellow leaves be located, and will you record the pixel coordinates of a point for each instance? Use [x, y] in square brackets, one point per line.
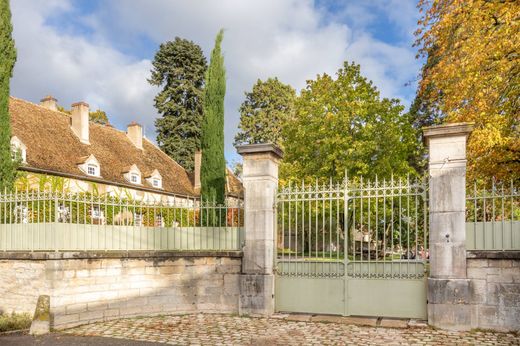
[472, 74]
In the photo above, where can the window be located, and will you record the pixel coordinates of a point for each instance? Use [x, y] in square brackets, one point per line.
[92, 169]
[138, 219]
[156, 182]
[134, 178]
[98, 216]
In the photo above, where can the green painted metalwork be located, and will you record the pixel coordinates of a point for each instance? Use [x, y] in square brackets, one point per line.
[54, 221]
[493, 216]
[353, 248]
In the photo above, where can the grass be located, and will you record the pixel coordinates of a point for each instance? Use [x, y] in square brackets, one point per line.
[14, 321]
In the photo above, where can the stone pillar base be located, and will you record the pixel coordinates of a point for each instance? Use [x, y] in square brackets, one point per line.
[256, 294]
[450, 304]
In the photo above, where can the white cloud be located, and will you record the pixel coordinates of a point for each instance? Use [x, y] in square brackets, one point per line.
[290, 39]
[73, 68]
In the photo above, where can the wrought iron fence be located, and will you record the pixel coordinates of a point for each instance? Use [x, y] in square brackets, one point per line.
[493, 216]
[61, 221]
[374, 229]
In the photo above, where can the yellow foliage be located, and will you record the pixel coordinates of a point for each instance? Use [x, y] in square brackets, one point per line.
[472, 74]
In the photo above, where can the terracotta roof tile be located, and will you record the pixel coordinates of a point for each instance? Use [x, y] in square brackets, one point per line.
[52, 146]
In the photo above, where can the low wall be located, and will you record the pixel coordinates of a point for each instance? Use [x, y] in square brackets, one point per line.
[489, 298]
[89, 287]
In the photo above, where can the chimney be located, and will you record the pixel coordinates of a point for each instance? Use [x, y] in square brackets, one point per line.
[49, 102]
[80, 121]
[135, 134]
[196, 170]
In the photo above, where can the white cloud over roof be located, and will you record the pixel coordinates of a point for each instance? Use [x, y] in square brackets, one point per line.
[292, 39]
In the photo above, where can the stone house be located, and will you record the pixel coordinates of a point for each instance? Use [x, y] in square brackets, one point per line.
[89, 157]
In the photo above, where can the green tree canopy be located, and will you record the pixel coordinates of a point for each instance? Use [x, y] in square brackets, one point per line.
[213, 168]
[343, 125]
[179, 67]
[98, 116]
[7, 60]
[264, 112]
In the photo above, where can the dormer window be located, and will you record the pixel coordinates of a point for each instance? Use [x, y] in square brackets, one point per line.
[134, 178]
[18, 150]
[89, 165]
[92, 169]
[155, 179]
[133, 175]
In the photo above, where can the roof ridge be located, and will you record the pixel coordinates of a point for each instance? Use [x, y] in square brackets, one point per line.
[38, 105]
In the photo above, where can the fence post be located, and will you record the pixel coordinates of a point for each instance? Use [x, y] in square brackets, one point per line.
[260, 180]
[448, 288]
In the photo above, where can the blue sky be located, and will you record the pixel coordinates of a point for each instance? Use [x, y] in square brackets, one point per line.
[101, 51]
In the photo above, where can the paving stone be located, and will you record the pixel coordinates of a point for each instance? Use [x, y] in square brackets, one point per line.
[215, 329]
[394, 323]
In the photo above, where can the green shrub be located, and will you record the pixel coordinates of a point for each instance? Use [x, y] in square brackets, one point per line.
[14, 321]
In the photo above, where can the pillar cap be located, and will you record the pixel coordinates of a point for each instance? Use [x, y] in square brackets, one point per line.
[448, 130]
[262, 148]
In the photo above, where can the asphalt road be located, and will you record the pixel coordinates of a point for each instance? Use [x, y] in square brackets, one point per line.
[65, 340]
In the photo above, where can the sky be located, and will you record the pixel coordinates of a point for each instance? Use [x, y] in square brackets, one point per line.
[100, 51]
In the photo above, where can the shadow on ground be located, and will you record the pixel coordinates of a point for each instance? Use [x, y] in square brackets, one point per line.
[62, 340]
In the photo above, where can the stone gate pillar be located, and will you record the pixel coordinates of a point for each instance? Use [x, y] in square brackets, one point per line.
[260, 180]
[448, 288]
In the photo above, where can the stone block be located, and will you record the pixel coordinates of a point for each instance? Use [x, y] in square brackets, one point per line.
[500, 263]
[394, 323]
[476, 263]
[448, 260]
[449, 291]
[171, 270]
[256, 294]
[231, 284]
[448, 190]
[76, 308]
[91, 315]
[60, 320]
[449, 227]
[452, 316]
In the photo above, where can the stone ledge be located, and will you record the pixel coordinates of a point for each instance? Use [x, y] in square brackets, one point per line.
[493, 254]
[46, 255]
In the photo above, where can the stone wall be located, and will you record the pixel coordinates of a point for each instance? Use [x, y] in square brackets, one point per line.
[88, 287]
[489, 297]
[495, 283]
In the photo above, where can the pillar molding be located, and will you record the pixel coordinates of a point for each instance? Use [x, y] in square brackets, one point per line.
[260, 180]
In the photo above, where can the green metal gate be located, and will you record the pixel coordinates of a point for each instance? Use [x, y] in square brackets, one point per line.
[353, 248]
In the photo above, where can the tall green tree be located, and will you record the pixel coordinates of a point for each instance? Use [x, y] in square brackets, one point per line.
[343, 125]
[7, 60]
[213, 168]
[264, 112]
[179, 67]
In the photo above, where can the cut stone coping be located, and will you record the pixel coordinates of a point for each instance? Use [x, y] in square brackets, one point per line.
[493, 254]
[260, 149]
[448, 130]
[51, 255]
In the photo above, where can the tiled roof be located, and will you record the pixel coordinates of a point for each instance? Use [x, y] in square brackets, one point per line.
[53, 147]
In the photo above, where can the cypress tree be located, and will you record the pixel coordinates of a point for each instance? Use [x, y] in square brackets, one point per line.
[179, 67]
[213, 169]
[7, 60]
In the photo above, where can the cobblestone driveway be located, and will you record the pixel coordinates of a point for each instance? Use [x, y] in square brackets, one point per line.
[232, 330]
